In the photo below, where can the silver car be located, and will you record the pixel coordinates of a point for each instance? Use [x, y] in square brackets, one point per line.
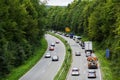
[47, 55]
[88, 54]
[77, 53]
[53, 44]
[91, 74]
[75, 72]
[55, 58]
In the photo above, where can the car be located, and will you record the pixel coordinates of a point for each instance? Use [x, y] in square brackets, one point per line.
[55, 58]
[91, 74]
[75, 71]
[67, 35]
[47, 55]
[53, 44]
[88, 54]
[74, 37]
[77, 53]
[57, 42]
[51, 48]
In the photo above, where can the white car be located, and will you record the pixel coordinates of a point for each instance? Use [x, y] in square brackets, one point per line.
[47, 55]
[55, 58]
[91, 74]
[77, 53]
[74, 37]
[75, 72]
[88, 54]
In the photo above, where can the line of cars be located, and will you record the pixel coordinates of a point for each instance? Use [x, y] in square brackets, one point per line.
[76, 71]
[51, 48]
[92, 60]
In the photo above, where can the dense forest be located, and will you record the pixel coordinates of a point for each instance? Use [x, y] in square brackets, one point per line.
[98, 20]
[22, 25]
[21, 29]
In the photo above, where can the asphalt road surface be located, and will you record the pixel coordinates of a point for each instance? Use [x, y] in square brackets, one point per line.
[46, 69]
[80, 62]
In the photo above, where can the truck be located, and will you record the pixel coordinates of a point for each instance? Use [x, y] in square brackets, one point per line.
[88, 46]
[92, 65]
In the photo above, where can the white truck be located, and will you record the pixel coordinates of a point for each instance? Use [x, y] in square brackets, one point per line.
[88, 46]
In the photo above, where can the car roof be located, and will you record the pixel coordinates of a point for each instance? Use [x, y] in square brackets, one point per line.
[88, 52]
[75, 68]
[52, 43]
[92, 71]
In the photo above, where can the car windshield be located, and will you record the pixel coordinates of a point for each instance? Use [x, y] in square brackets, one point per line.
[75, 69]
[52, 44]
[51, 47]
[91, 71]
[77, 52]
[55, 57]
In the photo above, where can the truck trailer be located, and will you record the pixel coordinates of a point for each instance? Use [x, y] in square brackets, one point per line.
[88, 46]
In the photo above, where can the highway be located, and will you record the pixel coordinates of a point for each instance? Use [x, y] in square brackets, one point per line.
[80, 62]
[46, 69]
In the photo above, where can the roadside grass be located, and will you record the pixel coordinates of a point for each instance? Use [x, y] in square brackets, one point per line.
[62, 73]
[18, 72]
[105, 67]
[106, 70]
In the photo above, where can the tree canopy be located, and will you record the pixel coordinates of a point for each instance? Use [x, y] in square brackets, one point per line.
[21, 29]
[99, 20]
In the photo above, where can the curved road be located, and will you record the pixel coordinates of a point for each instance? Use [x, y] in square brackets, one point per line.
[80, 62]
[46, 69]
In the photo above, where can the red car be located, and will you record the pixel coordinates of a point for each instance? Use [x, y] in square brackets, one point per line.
[51, 48]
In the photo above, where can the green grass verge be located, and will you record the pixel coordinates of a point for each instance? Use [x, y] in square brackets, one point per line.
[106, 70]
[62, 73]
[18, 72]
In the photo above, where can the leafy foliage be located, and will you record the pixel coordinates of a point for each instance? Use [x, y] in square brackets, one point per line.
[99, 20]
[21, 29]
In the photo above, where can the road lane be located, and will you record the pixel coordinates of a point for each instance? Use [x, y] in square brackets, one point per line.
[46, 69]
[80, 62]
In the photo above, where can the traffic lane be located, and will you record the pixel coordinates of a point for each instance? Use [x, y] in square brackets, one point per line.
[78, 61]
[55, 66]
[53, 69]
[98, 72]
[46, 66]
[83, 65]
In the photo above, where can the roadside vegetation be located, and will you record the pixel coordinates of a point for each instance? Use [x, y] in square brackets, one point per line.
[21, 33]
[99, 21]
[21, 70]
[22, 25]
[62, 73]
